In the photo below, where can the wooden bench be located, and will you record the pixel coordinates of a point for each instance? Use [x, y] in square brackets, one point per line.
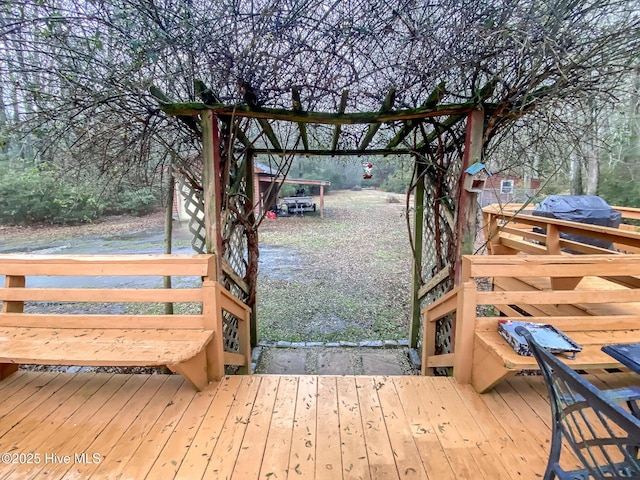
[118, 322]
[572, 292]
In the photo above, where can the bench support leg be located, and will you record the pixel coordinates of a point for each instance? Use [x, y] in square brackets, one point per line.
[7, 369]
[487, 370]
[194, 370]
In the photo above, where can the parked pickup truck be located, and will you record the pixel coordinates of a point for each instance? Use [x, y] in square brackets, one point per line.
[299, 204]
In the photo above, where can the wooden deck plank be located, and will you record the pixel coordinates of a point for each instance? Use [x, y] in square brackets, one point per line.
[56, 410]
[471, 436]
[328, 457]
[287, 426]
[302, 460]
[16, 382]
[11, 378]
[511, 445]
[156, 439]
[253, 444]
[379, 451]
[405, 452]
[496, 403]
[170, 456]
[454, 446]
[110, 437]
[24, 403]
[355, 463]
[275, 462]
[524, 413]
[80, 438]
[139, 428]
[196, 460]
[227, 448]
[423, 430]
[533, 391]
[76, 424]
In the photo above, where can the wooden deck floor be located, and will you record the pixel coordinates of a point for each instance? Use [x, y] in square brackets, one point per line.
[272, 427]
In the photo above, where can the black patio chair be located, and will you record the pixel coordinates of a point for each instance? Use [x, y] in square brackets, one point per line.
[602, 435]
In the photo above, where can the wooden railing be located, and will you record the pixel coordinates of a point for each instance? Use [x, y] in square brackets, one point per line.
[511, 229]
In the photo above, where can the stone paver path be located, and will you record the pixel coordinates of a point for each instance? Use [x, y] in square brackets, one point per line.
[334, 361]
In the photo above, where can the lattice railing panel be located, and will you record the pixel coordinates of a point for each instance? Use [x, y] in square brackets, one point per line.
[237, 201]
[233, 236]
[439, 239]
[194, 207]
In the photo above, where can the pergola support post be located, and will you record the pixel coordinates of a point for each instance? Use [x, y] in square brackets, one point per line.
[210, 185]
[418, 232]
[468, 201]
[252, 250]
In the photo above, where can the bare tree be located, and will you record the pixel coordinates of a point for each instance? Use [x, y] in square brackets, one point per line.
[76, 73]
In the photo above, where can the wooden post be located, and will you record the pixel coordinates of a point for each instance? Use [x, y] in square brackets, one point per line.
[212, 315]
[252, 254]
[428, 344]
[168, 231]
[11, 281]
[418, 232]
[463, 335]
[210, 184]
[467, 204]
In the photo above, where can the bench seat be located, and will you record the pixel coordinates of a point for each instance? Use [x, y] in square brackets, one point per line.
[105, 347]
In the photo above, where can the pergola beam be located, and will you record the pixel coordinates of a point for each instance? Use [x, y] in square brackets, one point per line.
[326, 118]
[269, 133]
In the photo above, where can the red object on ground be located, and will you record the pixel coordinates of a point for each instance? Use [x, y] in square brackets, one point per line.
[271, 215]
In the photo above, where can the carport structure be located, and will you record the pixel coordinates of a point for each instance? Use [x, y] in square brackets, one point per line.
[443, 139]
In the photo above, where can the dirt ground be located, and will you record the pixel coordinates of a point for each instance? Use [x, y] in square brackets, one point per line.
[346, 277]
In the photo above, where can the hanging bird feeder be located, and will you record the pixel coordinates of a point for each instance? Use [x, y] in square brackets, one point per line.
[367, 167]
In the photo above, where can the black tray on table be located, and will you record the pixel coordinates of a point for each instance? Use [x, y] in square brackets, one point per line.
[548, 336]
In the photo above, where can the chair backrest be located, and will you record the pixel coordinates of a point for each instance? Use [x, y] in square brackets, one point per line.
[603, 436]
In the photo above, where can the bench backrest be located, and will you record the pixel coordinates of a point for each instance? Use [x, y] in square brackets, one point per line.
[611, 296]
[117, 289]
[602, 435]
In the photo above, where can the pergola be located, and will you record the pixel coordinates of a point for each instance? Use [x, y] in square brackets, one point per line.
[442, 139]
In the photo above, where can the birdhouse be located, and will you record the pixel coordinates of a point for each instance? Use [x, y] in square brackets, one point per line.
[475, 177]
